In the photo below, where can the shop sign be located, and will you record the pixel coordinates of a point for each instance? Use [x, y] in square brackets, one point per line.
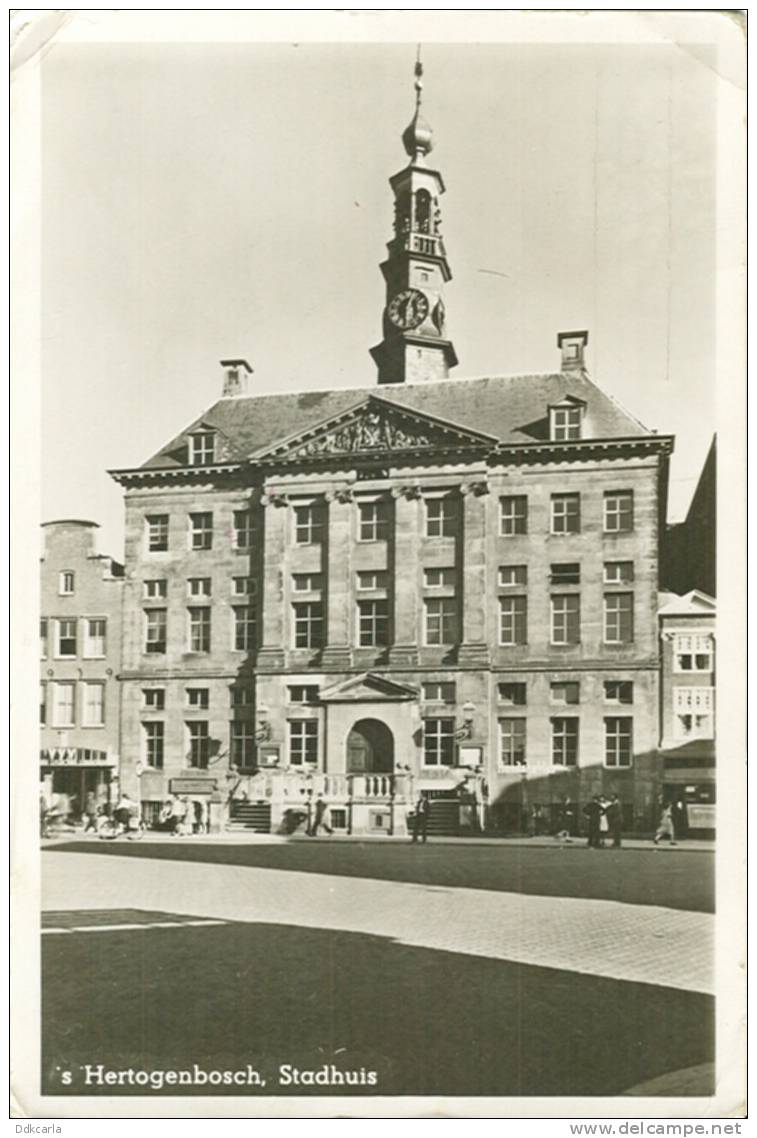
[192, 785]
[74, 757]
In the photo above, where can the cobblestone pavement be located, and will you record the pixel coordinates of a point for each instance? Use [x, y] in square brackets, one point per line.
[643, 944]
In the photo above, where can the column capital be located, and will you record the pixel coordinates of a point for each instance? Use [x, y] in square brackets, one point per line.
[339, 494]
[407, 490]
[475, 487]
[273, 498]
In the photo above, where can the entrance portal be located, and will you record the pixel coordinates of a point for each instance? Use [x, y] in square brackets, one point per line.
[370, 748]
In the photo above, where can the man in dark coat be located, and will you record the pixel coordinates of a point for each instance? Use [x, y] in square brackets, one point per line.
[420, 818]
[593, 810]
[614, 817]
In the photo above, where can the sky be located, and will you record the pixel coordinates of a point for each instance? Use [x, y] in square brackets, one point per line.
[207, 201]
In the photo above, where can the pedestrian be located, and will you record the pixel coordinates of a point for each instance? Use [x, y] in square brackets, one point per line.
[614, 815]
[178, 813]
[604, 823]
[593, 811]
[680, 818]
[89, 813]
[420, 818]
[537, 821]
[666, 828]
[320, 817]
[199, 814]
[43, 816]
[124, 812]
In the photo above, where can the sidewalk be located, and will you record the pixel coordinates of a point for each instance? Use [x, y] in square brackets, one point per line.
[242, 837]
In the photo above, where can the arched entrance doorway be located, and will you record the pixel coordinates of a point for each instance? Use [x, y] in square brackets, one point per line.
[370, 748]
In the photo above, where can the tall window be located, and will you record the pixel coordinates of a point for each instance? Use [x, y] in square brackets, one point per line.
[94, 637]
[566, 619]
[308, 624]
[66, 583]
[373, 624]
[42, 703]
[201, 531]
[564, 742]
[308, 524]
[242, 744]
[199, 629]
[66, 638]
[513, 515]
[618, 741]
[243, 535]
[202, 448]
[93, 705]
[303, 742]
[43, 638]
[619, 511]
[157, 533]
[566, 513]
[565, 423]
[513, 615]
[64, 709]
[692, 653]
[618, 618]
[199, 744]
[373, 521]
[441, 620]
[154, 737]
[155, 630]
[441, 517]
[438, 742]
[512, 742]
[244, 628]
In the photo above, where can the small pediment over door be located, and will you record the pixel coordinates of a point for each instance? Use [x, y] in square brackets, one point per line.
[367, 688]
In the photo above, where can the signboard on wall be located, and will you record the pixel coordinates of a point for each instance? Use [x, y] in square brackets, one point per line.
[75, 757]
[192, 785]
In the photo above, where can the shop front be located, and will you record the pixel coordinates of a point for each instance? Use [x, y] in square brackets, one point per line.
[68, 774]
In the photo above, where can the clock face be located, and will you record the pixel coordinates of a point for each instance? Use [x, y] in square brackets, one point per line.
[408, 309]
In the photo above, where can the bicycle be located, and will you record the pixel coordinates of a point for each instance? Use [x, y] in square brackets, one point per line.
[112, 828]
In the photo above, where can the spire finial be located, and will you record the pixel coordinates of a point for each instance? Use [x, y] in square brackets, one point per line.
[417, 137]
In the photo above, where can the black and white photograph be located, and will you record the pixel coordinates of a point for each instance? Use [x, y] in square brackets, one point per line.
[380, 375]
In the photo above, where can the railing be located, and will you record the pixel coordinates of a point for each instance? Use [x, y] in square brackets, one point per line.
[296, 786]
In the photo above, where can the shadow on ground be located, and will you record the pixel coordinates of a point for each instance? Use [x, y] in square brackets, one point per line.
[636, 877]
[427, 1022]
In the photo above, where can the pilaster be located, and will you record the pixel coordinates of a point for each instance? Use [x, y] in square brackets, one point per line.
[337, 651]
[404, 650]
[276, 515]
[474, 648]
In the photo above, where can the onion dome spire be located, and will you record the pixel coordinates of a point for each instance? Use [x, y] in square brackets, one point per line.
[417, 137]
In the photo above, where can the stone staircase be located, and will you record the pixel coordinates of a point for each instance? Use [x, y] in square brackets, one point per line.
[254, 816]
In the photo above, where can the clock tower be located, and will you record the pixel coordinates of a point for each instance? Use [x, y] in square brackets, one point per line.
[415, 345]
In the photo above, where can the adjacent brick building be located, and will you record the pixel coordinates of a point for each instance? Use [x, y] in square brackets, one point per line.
[80, 651]
[428, 584]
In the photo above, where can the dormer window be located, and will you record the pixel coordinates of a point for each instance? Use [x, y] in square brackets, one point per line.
[202, 448]
[565, 420]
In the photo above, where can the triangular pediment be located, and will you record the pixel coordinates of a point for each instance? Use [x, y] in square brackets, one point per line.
[367, 688]
[373, 427]
[690, 604]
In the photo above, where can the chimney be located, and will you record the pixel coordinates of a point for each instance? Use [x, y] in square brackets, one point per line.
[572, 345]
[235, 376]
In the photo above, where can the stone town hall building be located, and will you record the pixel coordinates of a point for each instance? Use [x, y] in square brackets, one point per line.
[430, 584]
